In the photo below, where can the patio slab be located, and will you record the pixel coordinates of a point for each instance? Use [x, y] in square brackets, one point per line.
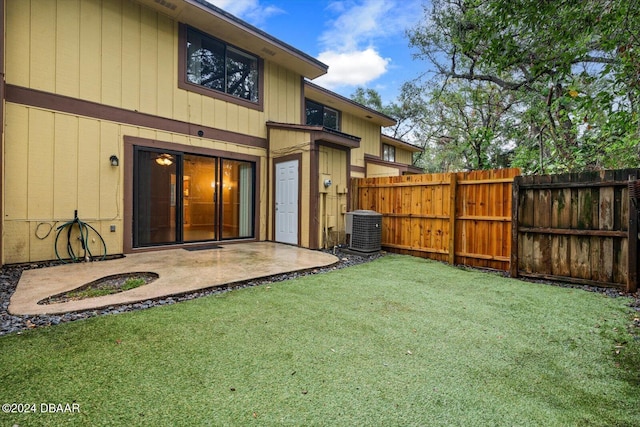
[180, 271]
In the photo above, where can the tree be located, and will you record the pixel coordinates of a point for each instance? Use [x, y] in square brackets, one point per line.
[407, 111]
[466, 127]
[572, 68]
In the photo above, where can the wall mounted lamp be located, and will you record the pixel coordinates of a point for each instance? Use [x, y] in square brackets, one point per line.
[114, 160]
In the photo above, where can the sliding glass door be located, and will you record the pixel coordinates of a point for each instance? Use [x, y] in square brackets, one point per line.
[237, 199]
[181, 197]
[199, 213]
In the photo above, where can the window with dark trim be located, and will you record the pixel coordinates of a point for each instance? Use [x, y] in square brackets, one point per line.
[388, 153]
[211, 67]
[321, 115]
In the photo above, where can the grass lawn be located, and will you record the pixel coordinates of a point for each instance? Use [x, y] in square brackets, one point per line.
[398, 341]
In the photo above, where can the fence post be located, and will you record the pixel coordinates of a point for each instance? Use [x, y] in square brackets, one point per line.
[632, 261]
[354, 194]
[453, 190]
[515, 201]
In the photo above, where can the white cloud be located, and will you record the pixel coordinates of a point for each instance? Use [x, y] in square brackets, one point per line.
[349, 44]
[357, 24]
[352, 68]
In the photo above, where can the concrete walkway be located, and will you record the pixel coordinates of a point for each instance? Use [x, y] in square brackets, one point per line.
[180, 271]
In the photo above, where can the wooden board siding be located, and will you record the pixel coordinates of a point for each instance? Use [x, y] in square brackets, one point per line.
[404, 156]
[376, 170]
[56, 163]
[333, 162]
[369, 134]
[579, 228]
[462, 218]
[122, 54]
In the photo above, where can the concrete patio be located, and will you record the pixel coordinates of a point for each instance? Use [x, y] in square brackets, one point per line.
[180, 271]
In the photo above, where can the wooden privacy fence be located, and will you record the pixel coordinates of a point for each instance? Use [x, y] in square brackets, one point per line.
[580, 228]
[460, 218]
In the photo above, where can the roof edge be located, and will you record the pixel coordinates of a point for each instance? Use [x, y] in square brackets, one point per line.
[400, 143]
[387, 119]
[260, 32]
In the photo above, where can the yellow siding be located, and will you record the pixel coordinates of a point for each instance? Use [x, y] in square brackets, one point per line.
[122, 54]
[283, 94]
[167, 58]
[403, 156]
[16, 242]
[40, 167]
[333, 163]
[65, 187]
[90, 48]
[285, 142]
[18, 67]
[67, 67]
[111, 54]
[43, 47]
[56, 163]
[369, 134]
[16, 164]
[130, 51]
[88, 146]
[374, 170]
[305, 194]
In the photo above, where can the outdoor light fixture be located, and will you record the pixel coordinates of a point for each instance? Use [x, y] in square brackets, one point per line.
[164, 159]
[114, 160]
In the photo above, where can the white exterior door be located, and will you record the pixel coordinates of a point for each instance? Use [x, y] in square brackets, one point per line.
[287, 202]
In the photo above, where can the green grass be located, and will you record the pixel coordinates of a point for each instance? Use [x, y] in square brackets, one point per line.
[98, 292]
[398, 341]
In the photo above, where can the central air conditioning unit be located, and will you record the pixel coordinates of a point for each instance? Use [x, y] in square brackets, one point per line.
[365, 229]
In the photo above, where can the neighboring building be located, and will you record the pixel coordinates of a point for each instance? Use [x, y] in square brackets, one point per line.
[395, 158]
[167, 123]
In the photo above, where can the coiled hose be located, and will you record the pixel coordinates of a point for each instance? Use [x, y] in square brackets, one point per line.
[83, 229]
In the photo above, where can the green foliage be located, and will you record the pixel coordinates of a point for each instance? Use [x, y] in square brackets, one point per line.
[572, 69]
[407, 110]
[104, 289]
[465, 126]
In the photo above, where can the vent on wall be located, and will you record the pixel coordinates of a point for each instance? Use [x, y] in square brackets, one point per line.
[167, 4]
[365, 230]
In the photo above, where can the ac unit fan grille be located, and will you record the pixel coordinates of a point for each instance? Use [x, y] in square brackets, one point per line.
[366, 231]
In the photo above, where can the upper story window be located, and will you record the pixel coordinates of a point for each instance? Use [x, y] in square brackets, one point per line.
[214, 68]
[388, 153]
[321, 115]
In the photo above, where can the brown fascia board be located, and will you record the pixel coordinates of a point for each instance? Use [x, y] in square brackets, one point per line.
[321, 133]
[339, 102]
[400, 144]
[370, 158]
[221, 24]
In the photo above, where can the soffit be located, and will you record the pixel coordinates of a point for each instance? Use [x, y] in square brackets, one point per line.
[223, 25]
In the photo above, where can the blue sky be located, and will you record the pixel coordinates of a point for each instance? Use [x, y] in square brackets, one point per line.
[362, 41]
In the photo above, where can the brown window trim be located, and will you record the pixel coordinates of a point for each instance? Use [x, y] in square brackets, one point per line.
[184, 84]
[389, 147]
